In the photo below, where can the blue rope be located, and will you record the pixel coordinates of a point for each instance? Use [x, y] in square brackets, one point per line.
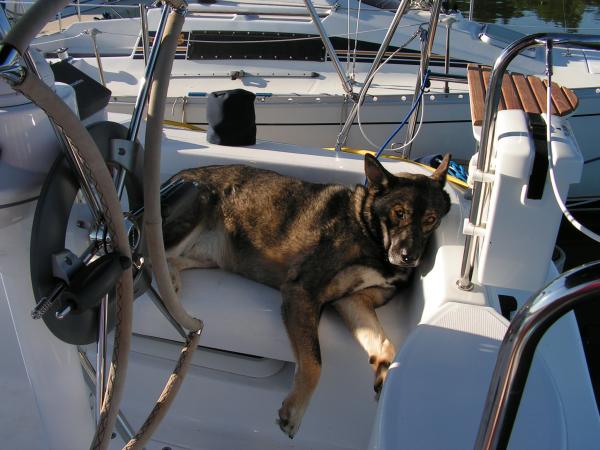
[407, 116]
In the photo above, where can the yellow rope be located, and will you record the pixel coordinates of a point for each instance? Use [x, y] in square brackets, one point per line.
[187, 126]
[358, 151]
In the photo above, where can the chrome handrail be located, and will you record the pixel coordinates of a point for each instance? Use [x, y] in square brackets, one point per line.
[346, 83]
[518, 347]
[492, 99]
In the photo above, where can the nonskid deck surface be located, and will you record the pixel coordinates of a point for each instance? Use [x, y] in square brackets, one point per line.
[20, 426]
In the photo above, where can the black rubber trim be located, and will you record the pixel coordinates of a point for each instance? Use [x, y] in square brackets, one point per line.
[539, 170]
[49, 230]
[20, 202]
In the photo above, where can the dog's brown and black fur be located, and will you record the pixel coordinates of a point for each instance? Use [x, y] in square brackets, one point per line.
[319, 244]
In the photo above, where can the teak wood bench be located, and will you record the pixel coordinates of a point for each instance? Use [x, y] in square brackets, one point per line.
[518, 92]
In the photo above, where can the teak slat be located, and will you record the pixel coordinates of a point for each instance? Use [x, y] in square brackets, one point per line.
[528, 100]
[487, 73]
[509, 92]
[539, 90]
[559, 99]
[572, 97]
[518, 92]
[476, 93]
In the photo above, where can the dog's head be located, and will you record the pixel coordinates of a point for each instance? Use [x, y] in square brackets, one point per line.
[407, 208]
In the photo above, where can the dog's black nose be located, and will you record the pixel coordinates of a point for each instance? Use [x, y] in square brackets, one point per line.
[406, 257]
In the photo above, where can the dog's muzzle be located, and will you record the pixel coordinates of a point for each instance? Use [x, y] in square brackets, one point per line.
[403, 258]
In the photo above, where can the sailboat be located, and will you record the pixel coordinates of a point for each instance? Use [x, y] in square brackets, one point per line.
[474, 367]
[326, 81]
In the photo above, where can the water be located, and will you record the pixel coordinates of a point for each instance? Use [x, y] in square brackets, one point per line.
[531, 16]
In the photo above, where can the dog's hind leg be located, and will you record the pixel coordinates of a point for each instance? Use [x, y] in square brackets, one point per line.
[301, 319]
[181, 263]
[358, 313]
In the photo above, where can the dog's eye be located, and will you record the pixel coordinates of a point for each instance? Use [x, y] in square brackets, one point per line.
[400, 214]
[429, 220]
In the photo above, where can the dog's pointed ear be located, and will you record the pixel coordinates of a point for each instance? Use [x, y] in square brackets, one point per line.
[378, 177]
[442, 170]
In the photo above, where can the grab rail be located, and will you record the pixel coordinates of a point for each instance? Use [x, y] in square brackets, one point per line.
[518, 347]
[492, 99]
[346, 83]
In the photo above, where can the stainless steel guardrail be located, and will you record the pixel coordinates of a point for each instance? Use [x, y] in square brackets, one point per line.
[518, 347]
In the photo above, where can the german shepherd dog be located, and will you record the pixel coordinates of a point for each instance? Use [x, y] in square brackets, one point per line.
[318, 244]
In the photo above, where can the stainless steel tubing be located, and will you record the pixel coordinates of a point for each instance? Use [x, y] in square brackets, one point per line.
[489, 124]
[123, 427]
[144, 25]
[93, 34]
[449, 78]
[155, 297]
[31, 86]
[518, 347]
[447, 57]
[346, 84]
[343, 135]
[142, 98]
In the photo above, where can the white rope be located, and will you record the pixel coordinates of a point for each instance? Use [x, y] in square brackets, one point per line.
[78, 35]
[367, 84]
[33, 44]
[364, 134]
[572, 220]
[578, 225]
[363, 94]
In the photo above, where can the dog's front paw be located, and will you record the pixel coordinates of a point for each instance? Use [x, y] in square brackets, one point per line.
[288, 421]
[381, 367]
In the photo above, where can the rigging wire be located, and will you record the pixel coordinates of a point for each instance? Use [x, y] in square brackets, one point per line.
[348, 50]
[306, 38]
[353, 76]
